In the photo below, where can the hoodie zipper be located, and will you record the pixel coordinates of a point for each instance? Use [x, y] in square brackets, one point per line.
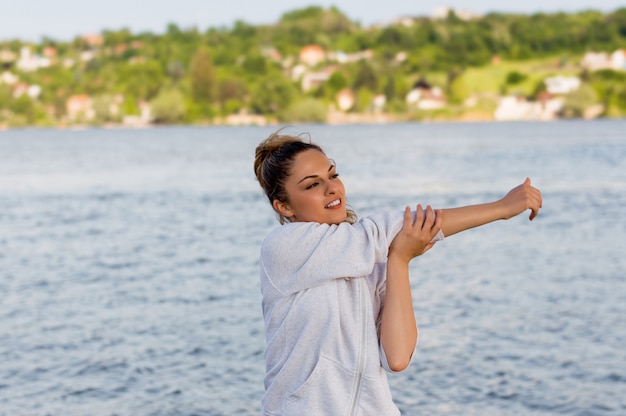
[361, 357]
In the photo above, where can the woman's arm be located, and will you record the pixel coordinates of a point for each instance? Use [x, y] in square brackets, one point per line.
[518, 200]
[398, 330]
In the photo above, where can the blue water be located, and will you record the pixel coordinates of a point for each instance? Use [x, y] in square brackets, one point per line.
[129, 272]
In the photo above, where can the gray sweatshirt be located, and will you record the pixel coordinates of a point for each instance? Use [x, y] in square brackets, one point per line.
[323, 290]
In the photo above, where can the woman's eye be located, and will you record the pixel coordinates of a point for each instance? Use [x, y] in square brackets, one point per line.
[313, 185]
[335, 176]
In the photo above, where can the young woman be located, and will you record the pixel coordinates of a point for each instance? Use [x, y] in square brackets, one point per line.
[336, 295]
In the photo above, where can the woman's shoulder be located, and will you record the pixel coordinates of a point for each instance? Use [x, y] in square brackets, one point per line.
[311, 232]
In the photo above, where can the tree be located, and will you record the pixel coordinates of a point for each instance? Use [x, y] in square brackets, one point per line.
[309, 110]
[168, 106]
[576, 102]
[366, 77]
[203, 80]
[272, 94]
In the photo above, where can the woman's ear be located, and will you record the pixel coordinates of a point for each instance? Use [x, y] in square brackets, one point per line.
[282, 208]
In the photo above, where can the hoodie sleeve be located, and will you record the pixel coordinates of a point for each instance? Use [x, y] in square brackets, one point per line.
[299, 256]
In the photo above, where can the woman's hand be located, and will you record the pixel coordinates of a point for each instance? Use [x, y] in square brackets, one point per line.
[415, 237]
[521, 198]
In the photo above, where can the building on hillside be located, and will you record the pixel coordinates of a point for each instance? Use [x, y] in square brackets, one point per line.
[426, 97]
[312, 55]
[561, 85]
[595, 61]
[512, 108]
[379, 102]
[80, 108]
[7, 58]
[297, 72]
[618, 60]
[93, 40]
[8, 78]
[345, 99]
[49, 52]
[312, 80]
[343, 58]
[29, 62]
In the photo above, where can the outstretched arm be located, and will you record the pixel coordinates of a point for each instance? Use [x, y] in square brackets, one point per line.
[398, 330]
[518, 200]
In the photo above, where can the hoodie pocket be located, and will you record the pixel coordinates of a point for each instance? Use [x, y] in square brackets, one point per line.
[326, 391]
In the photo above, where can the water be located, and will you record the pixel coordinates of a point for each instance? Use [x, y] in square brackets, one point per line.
[129, 273]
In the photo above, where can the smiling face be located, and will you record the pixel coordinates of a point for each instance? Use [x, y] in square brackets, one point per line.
[315, 192]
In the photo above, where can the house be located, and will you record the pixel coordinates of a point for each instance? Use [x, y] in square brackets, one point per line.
[312, 80]
[312, 55]
[93, 40]
[19, 89]
[8, 78]
[342, 57]
[378, 104]
[345, 99]
[618, 60]
[561, 84]
[425, 97]
[594, 61]
[297, 72]
[49, 52]
[7, 57]
[512, 108]
[80, 107]
[29, 62]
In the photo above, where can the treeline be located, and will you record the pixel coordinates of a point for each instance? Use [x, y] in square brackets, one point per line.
[188, 75]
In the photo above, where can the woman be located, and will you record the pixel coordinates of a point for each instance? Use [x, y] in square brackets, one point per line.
[336, 295]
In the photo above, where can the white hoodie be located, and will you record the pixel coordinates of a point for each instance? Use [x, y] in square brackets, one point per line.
[323, 290]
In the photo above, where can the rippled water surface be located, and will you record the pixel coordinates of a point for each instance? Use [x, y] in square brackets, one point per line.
[129, 267]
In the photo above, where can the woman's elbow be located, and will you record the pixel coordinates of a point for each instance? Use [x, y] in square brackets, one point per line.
[398, 364]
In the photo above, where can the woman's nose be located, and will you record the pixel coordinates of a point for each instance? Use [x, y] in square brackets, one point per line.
[332, 187]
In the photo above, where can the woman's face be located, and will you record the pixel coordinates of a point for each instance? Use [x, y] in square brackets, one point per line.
[315, 192]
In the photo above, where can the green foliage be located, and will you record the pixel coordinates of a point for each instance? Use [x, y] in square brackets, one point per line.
[272, 94]
[515, 78]
[141, 80]
[366, 77]
[576, 102]
[203, 80]
[458, 91]
[168, 106]
[225, 70]
[231, 90]
[364, 100]
[308, 110]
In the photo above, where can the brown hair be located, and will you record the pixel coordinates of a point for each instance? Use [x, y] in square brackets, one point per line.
[273, 161]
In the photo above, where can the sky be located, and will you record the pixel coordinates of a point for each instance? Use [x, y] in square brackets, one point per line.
[30, 20]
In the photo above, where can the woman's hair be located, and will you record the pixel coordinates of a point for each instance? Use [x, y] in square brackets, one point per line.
[273, 161]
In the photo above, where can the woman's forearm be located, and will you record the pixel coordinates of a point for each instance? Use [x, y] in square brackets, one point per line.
[516, 201]
[460, 219]
[398, 330]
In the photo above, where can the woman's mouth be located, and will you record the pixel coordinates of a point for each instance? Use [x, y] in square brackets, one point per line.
[334, 204]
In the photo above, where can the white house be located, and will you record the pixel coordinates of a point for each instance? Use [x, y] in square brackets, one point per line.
[345, 99]
[561, 84]
[513, 108]
[29, 62]
[312, 80]
[618, 60]
[8, 78]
